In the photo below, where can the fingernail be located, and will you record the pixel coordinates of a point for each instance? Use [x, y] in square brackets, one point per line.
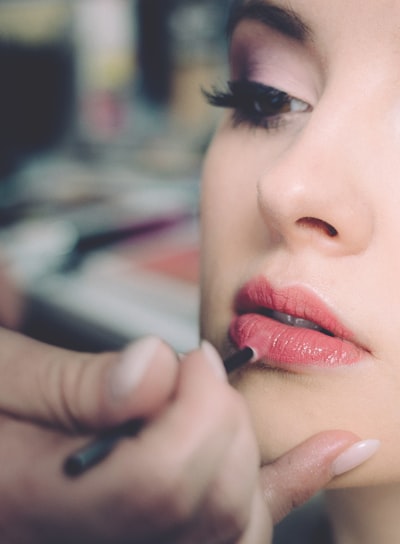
[213, 358]
[354, 456]
[127, 374]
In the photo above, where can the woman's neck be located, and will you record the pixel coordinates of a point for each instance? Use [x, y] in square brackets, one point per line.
[365, 515]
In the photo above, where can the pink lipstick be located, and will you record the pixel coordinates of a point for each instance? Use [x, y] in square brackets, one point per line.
[294, 328]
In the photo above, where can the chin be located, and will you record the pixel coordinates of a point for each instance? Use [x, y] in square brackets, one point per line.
[287, 410]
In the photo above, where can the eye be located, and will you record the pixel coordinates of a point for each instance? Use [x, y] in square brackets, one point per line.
[256, 104]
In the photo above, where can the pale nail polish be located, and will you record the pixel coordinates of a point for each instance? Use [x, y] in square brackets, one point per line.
[213, 358]
[354, 456]
[127, 374]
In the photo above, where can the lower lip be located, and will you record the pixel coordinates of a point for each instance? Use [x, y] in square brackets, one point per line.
[291, 348]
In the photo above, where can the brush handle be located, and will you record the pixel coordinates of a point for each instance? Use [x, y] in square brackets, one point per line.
[238, 359]
[91, 454]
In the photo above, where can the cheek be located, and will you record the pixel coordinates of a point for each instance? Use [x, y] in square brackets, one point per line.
[215, 250]
[234, 235]
[229, 210]
[228, 207]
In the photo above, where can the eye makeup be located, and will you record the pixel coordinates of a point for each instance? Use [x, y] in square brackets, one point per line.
[256, 104]
[271, 76]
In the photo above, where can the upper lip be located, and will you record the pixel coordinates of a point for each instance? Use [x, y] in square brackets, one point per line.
[259, 296]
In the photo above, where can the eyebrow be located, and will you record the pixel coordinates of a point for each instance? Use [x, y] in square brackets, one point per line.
[285, 21]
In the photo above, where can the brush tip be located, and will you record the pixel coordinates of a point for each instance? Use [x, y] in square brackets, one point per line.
[239, 359]
[255, 354]
[257, 344]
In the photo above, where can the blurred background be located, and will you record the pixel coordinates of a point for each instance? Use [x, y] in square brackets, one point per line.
[103, 128]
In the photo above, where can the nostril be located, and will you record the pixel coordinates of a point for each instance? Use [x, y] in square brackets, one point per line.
[314, 223]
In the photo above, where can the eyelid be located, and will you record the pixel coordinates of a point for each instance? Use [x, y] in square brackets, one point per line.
[246, 88]
[256, 104]
[261, 54]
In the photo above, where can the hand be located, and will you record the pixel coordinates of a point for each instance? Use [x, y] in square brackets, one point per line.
[191, 476]
[51, 402]
[173, 483]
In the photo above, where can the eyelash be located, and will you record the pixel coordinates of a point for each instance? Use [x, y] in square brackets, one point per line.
[255, 104]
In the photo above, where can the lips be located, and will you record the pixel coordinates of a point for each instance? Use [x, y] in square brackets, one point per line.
[291, 328]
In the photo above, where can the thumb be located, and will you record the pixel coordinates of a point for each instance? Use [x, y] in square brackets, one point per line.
[80, 391]
[299, 474]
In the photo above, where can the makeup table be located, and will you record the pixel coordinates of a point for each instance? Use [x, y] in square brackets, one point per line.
[97, 278]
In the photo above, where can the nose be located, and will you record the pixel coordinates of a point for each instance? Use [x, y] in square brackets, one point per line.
[313, 195]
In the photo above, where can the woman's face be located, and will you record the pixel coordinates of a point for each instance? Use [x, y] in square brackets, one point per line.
[301, 215]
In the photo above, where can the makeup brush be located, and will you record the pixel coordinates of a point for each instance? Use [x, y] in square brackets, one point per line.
[91, 454]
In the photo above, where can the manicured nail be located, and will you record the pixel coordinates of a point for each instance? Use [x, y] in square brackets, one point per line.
[354, 456]
[127, 374]
[213, 358]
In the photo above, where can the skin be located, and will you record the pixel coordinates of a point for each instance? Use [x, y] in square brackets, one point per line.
[196, 470]
[337, 164]
[183, 490]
